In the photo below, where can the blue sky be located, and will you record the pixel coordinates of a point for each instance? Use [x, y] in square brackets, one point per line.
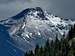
[62, 8]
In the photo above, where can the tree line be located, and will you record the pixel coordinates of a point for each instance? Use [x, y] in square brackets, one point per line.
[63, 47]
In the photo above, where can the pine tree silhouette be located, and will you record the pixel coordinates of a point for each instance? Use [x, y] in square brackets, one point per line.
[63, 47]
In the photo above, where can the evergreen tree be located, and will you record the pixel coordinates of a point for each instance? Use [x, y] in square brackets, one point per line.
[37, 50]
[26, 54]
[47, 48]
[63, 47]
[41, 52]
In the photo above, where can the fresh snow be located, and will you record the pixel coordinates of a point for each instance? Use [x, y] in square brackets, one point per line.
[30, 27]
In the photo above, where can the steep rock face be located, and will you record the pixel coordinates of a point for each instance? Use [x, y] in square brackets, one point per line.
[34, 26]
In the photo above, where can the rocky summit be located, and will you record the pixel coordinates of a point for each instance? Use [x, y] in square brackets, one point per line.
[34, 26]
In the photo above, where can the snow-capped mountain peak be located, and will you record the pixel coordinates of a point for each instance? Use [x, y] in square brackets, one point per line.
[34, 26]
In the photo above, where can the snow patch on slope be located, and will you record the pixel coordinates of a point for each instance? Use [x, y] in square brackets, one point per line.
[36, 27]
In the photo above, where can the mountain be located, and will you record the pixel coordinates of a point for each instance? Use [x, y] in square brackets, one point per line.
[34, 26]
[7, 47]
